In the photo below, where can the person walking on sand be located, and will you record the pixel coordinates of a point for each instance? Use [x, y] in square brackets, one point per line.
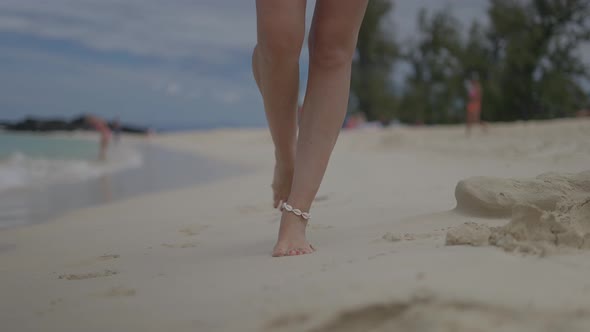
[474, 105]
[105, 134]
[302, 154]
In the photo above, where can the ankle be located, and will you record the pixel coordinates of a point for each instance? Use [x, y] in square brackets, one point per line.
[300, 205]
[293, 223]
[285, 159]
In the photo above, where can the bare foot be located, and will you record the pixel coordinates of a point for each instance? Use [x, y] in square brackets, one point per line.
[292, 241]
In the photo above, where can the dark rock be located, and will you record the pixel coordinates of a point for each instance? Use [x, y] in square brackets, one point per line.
[59, 124]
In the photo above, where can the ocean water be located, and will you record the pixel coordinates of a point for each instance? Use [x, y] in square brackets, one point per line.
[36, 160]
[43, 146]
[43, 177]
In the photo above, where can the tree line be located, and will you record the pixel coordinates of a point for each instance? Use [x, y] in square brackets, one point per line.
[527, 58]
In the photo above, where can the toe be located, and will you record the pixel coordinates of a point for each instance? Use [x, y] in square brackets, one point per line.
[292, 252]
[279, 252]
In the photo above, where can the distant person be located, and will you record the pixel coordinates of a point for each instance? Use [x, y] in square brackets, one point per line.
[475, 95]
[355, 121]
[117, 127]
[105, 134]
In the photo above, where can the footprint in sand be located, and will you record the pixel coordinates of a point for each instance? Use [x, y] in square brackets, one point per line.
[287, 321]
[52, 306]
[393, 237]
[56, 302]
[93, 260]
[180, 245]
[319, 226]
[6, 247]
[250, 209]
[381, 254]
[321, 198]
[91, 275]
[108, 257]
[119, 291]
[193, 230]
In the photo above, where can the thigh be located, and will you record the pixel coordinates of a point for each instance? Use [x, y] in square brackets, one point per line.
[336, 24]
[280, 23]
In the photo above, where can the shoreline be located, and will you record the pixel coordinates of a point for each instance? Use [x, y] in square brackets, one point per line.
[158, 171]
[199, 257]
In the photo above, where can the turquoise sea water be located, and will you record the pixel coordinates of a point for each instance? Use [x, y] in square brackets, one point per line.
[34, 160]
[46, 147]
[42, 177]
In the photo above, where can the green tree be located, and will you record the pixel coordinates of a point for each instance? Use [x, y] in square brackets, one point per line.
[535, 45]
[434, 85]
[376, 53]
[528, 60]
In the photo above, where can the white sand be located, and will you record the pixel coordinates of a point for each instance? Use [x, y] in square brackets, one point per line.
[198, 259]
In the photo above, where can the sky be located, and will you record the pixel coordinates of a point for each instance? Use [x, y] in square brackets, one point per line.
[168, 64]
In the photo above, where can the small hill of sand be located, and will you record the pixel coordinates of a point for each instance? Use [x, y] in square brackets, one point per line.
[429, 314]
[549, 211]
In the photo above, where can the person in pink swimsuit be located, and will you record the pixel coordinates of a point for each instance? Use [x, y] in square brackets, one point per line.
[105, 134]
[474, 105]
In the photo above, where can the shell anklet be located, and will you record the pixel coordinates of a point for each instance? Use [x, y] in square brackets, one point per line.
[286, 207]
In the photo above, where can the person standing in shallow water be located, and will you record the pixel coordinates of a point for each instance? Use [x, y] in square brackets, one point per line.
[302, 151]
[105, 134]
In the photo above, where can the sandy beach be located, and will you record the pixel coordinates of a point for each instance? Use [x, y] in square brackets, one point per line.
[417, 229]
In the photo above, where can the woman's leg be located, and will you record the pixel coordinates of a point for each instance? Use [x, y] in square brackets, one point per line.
[275, 64]
[468, 121]
[332, 42]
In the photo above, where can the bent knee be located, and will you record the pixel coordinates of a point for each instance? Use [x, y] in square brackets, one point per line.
[331, 50]
[329, 57]
[281, 45]
[332, 44]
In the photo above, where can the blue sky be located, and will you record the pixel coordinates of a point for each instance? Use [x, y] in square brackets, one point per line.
[162, 63]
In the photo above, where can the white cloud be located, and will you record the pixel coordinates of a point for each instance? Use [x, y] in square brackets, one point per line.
[194, 94]
[172, 89]
[48, 84]
[405, 14]
[229, 97]
[214, 31]
[171, 29]
[200, 46]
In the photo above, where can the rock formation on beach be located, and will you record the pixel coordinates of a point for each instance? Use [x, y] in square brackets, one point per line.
[549, 211]
[33, 124]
